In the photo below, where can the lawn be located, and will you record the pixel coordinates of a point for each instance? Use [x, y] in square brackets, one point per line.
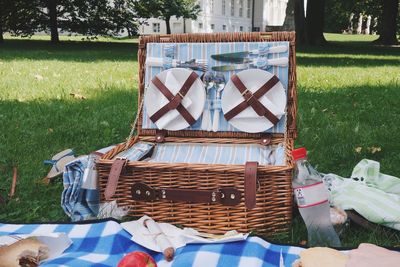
[348, 97]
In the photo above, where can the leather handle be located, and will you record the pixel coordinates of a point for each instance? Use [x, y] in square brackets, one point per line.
[250, 184]
[112, 182]
[227, 196]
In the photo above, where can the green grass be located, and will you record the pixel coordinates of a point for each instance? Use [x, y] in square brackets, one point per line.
[348, 97]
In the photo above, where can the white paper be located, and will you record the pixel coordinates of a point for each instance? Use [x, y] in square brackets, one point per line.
[176, 236]
[174, 86]
[56, 242]
[250, 113]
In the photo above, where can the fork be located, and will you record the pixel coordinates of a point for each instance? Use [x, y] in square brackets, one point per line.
[194, 64]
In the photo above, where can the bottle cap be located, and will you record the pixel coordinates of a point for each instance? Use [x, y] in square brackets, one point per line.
[299, 153]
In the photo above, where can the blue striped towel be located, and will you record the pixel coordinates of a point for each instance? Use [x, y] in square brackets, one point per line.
[82, 202]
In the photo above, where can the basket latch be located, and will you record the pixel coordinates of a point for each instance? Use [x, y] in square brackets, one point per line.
[250, 184]
[160, 136]
[265, 140]
[115, 172]
[227, 196]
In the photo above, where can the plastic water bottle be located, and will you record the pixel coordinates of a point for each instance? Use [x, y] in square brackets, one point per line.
[311, 197]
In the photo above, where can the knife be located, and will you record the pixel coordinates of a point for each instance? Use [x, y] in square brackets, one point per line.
[282, 62]
[239, 57]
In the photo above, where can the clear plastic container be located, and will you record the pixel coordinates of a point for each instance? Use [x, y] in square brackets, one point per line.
[311, 197]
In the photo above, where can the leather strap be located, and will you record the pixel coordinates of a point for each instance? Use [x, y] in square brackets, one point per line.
[227, 196]
[175, 101]
[252, 99]
[250, 184]
[112, 181]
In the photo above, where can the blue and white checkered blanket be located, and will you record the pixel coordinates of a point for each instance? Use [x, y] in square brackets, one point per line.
[104, 243]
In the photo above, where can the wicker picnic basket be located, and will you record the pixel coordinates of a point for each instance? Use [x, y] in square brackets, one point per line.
[209, 198]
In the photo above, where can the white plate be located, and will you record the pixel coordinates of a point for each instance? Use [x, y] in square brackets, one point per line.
[154, 99]
[253, 79]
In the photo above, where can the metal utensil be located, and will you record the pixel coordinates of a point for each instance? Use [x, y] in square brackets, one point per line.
[238, 57]
[220, 85]
[194, 64]
[282, 62]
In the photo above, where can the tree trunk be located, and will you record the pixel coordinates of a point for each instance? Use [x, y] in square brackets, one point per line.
[310, 29]
[388, 23]
[167, 19]
[315, 22]
[300, 21]
[52, 6]
[1, 32]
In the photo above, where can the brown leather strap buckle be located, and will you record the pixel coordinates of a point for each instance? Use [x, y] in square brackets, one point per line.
[175, 101]
[115, 172]
[251, 99]
[250, 184]
[227, 196]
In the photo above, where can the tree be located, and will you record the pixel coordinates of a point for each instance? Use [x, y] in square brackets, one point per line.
[86, 17]
[124, 16]
[18, 17]
[310, 27]
[165, 9]
[388, 23]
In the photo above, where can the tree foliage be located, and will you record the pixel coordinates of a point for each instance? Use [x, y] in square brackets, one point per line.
[165, 9]
[18, 17]
[385, 11]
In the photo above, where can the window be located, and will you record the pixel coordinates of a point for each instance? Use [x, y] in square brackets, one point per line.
[156, 27]
[212, 26]
[223, 7]
[240, 8]
[248, 8]
[232, 8]
[211, 6]
[224, 28]
[200, 25]
[241, 28]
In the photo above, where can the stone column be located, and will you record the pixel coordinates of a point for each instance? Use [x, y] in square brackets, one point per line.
[359, 25]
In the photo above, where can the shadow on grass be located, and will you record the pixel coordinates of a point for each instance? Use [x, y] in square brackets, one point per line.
[80, 51]
[341, 54]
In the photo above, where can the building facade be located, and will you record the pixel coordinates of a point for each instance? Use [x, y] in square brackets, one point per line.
[218, 16]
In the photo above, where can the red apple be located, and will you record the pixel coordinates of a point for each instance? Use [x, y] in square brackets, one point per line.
[137, 259]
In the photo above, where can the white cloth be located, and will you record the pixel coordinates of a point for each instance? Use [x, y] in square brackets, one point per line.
[176, 236]
[173, 85]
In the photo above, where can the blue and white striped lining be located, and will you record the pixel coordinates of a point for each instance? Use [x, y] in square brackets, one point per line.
[187, 51]
[218, 153]
[137, 151]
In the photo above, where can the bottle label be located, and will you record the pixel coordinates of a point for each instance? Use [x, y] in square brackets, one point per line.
[310, 195]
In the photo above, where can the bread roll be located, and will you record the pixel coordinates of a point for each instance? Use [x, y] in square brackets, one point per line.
[317, 257]
[29, 250]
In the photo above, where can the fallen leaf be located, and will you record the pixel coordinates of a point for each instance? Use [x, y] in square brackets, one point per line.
[303, 242]
[374, 149]
[38, 77]
[50, 130]
[325, 110]
[77, 96]
[358, 149]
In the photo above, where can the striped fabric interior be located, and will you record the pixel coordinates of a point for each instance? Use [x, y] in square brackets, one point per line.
[218, 153]
[187, 51]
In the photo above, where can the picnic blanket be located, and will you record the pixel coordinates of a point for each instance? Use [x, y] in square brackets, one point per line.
[104, 243]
